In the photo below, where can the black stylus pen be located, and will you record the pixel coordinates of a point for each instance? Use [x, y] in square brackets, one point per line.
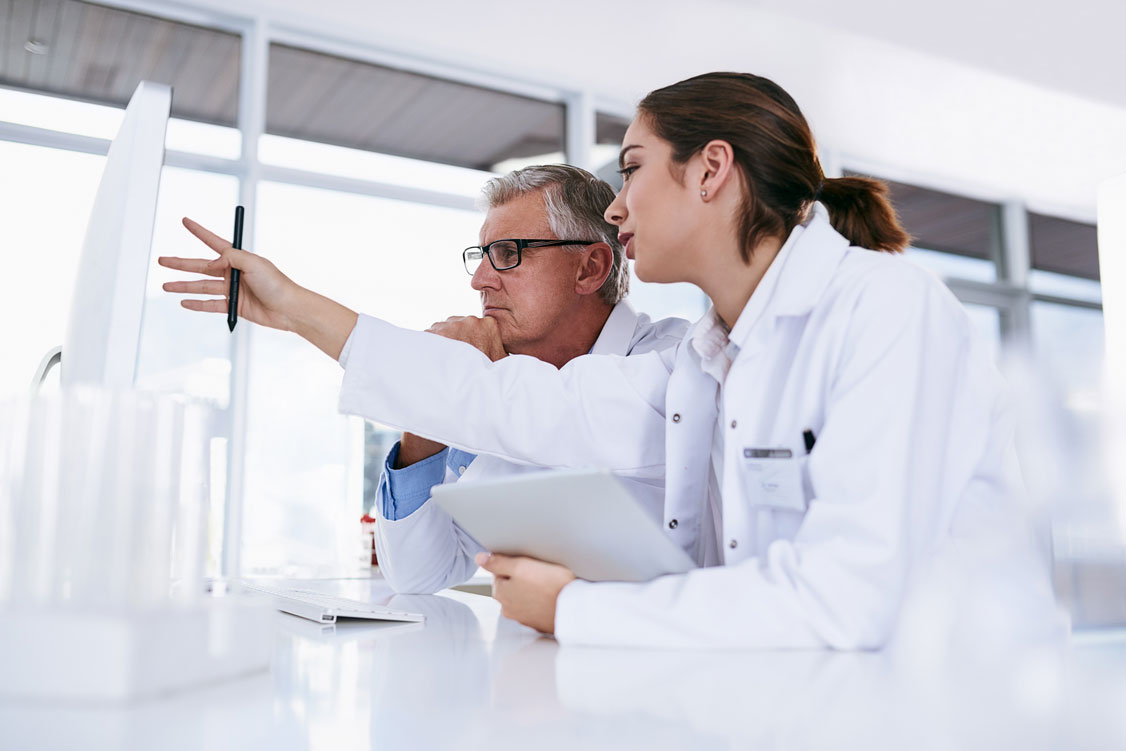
[232, 298]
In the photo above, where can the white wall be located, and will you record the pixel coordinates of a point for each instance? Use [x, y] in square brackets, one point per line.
[880, 105]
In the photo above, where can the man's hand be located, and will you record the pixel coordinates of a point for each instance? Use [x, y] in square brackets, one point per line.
[482, 333]
[413, 449]
[527, 589]
[266, 295]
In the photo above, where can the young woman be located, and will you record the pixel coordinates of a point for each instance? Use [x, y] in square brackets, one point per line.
[834, 438]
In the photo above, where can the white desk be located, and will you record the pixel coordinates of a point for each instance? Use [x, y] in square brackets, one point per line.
[471, 680]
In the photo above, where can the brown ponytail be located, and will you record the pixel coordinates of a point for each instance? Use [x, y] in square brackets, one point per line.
[860, 210]
[776, 155]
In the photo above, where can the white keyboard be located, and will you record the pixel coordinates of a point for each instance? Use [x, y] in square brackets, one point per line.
[322, 608]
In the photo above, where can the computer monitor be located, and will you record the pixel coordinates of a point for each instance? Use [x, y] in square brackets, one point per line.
[103, 333]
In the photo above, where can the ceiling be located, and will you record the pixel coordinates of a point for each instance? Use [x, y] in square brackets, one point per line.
[1077, 47]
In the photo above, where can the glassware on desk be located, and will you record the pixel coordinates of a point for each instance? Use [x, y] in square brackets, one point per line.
[103, 503]
[103, 499]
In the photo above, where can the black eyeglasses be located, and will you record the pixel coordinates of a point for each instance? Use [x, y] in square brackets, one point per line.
[507, 254]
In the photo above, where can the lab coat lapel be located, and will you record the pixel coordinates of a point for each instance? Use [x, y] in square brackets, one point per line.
[618, 331]
[690, 416]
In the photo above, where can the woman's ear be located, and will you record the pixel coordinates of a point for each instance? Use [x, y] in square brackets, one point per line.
[717, 161]
[595, 266]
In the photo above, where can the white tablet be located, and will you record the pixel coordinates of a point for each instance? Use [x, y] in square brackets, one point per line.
[585, 520]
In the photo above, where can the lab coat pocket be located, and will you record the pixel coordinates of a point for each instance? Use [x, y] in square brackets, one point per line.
[772, 478]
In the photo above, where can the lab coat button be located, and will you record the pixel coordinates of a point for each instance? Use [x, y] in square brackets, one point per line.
[733, 423]
[676, 417]
[733, 544]
[672, 524]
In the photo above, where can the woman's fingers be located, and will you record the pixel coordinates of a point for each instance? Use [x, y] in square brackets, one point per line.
[216, 267]
[209, 238]
[205, 306]
[198, 287]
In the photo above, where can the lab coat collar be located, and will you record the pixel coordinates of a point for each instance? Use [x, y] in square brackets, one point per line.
[817, 251]
[798, 275]
[617, 332]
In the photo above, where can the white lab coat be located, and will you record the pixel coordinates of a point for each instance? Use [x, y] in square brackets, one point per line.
[913, 470]
[427, 551]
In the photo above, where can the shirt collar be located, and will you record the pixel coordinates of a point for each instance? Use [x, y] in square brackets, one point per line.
[617, 332]
[710, 340]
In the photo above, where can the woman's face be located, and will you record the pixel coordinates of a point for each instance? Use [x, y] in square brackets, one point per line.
[655, 212]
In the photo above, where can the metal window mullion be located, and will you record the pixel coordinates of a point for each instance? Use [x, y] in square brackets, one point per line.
[580, 131]
[203, 163]
[183, 13]
[53, 139]
[1067, 301]
[376, 189]
[253, 74]
[1016, 262]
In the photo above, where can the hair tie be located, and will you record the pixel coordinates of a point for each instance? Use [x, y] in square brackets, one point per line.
[817, 194]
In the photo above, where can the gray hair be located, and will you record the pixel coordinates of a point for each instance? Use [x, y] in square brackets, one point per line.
[576, 201]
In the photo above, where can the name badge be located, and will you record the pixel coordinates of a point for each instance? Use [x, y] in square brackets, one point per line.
[772, 478]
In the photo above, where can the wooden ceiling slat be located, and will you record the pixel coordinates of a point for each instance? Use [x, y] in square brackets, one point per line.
[359, 105]
[46, 23]
[952, 224]
[99, 54]
[19, 28]
[62, 46]
[1063, 246]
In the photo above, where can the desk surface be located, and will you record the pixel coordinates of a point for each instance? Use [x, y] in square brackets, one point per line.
[469, 679]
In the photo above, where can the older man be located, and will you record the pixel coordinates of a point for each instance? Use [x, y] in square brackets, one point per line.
[553, 279]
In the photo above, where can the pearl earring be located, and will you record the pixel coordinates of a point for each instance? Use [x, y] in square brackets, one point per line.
[703, 192]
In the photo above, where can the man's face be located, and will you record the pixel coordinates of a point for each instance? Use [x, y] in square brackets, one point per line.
[530, 301]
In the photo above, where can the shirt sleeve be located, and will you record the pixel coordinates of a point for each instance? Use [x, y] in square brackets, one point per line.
[403, 491]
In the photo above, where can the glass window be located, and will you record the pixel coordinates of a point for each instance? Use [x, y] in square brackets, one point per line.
[609, 130]
[98, 54]
[334, 100]
[42, 227]
[102, 121]
[304, 489]
[64, 115]
[180, 351]
[986, 321]
[203, 138]
[682, 300]
[951, 266]
[1069, 349]
[366, 165]
[954, 236]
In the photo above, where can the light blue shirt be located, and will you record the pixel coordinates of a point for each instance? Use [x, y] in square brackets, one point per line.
[403, 491]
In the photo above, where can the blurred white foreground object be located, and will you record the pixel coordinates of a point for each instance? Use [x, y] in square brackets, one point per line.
[103, 333]
[1112, 271]
[103, 502]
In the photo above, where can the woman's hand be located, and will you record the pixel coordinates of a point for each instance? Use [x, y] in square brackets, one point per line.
[480, 331]
[527, 589]
[266, 296]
